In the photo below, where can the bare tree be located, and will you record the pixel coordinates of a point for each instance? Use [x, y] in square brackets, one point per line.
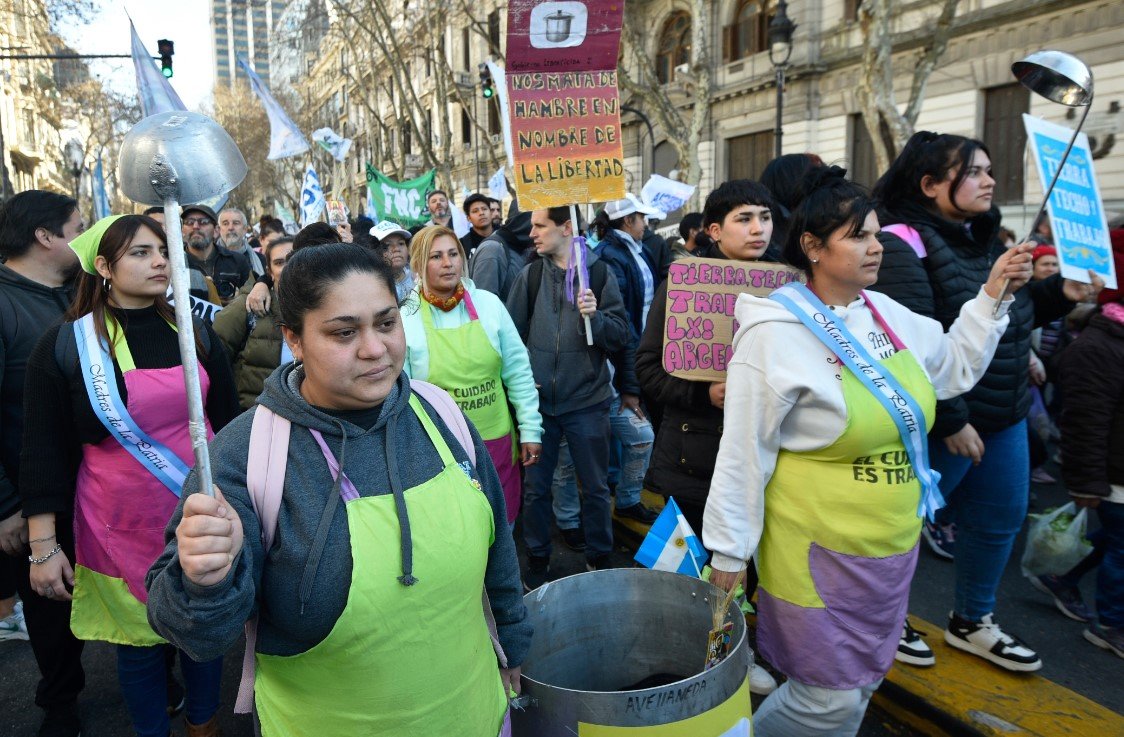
[681, 107]
[889, 129]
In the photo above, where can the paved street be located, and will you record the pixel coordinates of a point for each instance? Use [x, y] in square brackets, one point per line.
[1069, 660]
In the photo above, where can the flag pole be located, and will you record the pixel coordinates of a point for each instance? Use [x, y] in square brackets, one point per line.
[582, 286]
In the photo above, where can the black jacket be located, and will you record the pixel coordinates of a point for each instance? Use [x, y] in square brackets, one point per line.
[27, 310]
[957, 263]
[690, 428]
[227, 269]
[1092, 419]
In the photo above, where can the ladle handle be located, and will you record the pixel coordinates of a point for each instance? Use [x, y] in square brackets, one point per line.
[1046, 197]
[181, 292]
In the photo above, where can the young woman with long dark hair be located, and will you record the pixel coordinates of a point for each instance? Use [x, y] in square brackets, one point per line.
[106, 436]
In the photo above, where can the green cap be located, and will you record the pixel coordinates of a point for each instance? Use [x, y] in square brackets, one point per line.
[87, 244]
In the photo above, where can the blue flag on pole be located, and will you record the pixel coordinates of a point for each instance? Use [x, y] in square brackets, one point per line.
[285, 138]
[156, 93]
[101, 199]
[671, 544]
[312, 198]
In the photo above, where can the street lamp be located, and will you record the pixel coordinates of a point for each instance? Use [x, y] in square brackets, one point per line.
[75, 157]
[780, 33]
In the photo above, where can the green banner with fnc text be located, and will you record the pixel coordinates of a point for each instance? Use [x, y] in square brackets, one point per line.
[400, 202]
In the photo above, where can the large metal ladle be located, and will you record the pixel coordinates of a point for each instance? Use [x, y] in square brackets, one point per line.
[1061, 78]
[166, 159]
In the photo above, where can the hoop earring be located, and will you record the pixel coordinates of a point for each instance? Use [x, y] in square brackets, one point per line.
[105, 284]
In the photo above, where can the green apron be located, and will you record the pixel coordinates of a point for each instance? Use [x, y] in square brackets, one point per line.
[839, 544]
[463, 362]
[401, 661]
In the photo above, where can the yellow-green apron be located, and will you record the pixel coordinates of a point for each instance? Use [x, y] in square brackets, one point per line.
[463, 362]
[401, 661]
[839, 544]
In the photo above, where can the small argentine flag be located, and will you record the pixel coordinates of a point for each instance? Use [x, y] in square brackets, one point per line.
[671, 544]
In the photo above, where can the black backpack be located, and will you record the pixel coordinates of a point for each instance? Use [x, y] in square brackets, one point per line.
[598, 273]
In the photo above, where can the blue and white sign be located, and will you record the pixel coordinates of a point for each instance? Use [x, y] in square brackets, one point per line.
[1075, 208]
[666, 195]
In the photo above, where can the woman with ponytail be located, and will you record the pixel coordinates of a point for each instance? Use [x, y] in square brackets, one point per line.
[106, 436]
[940, 239]
[822, 473]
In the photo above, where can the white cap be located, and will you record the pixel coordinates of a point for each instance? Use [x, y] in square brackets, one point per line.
[383, 228]
[618, 209]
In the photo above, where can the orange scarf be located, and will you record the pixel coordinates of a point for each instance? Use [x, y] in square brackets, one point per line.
[445, 304]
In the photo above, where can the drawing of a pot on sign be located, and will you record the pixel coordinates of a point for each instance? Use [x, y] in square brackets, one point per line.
[558, 26]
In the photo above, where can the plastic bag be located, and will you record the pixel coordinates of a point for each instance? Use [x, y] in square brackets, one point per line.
[1056, 541]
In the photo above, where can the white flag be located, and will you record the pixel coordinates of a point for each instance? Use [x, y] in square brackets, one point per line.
[497, 185]
[283, 214]
[156, 93]
[312, 198]
[332, 142]
[666, 195]
[285, 138]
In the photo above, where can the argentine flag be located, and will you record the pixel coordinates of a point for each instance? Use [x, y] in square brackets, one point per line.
[671, 544]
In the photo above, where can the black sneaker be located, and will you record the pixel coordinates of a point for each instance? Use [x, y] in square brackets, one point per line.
[538, 572]
[574, 538]
[600, 563]
[985, 639]
[912, 650]
[940, 538]
[638, 512]
[61, 722]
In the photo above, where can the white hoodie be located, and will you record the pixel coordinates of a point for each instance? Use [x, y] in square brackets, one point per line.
[784, 390]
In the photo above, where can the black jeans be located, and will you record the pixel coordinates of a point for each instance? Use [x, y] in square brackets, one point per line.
[57, 651]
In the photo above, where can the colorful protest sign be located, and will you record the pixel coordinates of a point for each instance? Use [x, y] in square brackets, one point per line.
[700, 326]
[400, 202]
[1076, 211]
[337, 213]
[563, 102]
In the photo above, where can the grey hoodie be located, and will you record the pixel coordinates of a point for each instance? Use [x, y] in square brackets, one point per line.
[570, 374]
[298, 599]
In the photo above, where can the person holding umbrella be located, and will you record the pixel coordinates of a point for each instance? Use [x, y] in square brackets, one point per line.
[105, 390]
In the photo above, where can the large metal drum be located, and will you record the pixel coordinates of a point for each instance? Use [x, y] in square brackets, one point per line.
[624, 648]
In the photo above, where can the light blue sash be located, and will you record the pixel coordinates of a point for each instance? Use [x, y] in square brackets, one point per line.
[106, 401]
[903, 408]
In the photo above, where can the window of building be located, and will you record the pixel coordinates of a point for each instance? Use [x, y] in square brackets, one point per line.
[665, 159]
[466, 49]
[1005, 137]
[466, 127]
[749, 32]
[675, 46]
[851, 10]
[863, 167]
[494, 31]
[747, 155]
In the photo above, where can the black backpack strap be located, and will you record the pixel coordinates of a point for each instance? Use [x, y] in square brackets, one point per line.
[534, 281]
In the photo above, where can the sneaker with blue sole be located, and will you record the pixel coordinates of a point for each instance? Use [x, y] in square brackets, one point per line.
[13, 627]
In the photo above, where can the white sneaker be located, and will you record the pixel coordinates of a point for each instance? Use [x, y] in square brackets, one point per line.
[13, 627]
[761, 682]
[986, 640]
[912, 650]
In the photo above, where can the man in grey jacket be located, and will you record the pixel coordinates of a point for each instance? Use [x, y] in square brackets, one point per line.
[574, 384]
[502, 255]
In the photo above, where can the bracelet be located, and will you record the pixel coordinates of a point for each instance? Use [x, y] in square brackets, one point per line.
[37, 561]
[41, 540]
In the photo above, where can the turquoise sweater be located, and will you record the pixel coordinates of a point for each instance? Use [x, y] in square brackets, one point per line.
[516, 375]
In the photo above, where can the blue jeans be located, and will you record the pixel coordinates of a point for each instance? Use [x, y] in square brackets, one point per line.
[1110, 575]
[587, 433]
[988, 504]
[632, 438]
[142, 674]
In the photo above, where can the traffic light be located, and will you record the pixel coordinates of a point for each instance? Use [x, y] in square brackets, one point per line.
[486, 83]
[167, 50]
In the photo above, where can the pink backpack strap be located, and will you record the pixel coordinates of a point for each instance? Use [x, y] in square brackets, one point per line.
[449, 412]
[910, 236]
[265, 480]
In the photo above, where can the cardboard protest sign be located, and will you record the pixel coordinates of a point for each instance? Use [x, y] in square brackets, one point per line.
[400, 202]
[1075, 208]
[563, 102]
[700, 324]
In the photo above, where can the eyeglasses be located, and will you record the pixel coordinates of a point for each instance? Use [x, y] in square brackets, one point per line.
[196, 221]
